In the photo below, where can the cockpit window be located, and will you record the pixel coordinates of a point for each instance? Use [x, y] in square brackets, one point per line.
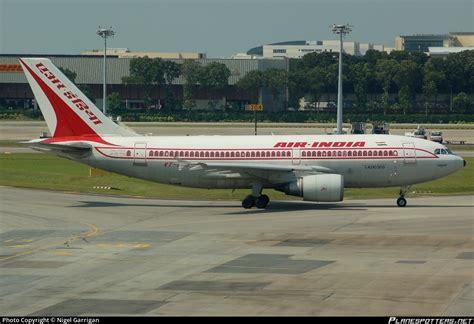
[443, 151]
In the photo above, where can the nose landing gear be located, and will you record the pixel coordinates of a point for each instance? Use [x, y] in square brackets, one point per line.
[401, 201]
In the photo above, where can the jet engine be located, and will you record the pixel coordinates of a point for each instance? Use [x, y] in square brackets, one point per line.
[318, 187]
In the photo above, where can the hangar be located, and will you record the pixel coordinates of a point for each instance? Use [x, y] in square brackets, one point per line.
[16, 94]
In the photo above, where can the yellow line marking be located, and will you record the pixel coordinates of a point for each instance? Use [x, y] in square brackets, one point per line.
[60, 253]
[142, 246]
[123, 245]
[18, 246]
[94, 230]
[26, 241]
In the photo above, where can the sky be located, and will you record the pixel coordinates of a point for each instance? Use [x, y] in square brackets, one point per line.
[218, 28]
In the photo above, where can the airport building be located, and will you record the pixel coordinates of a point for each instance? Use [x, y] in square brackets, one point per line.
[436, 44]
[16, 93]
[126, 53]
[299, 48]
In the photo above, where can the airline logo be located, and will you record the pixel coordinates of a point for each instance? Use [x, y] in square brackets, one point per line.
[319, 144]
[10, 68]
[68, 94]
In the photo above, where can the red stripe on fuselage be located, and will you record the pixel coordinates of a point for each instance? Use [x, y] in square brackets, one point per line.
[85, 138]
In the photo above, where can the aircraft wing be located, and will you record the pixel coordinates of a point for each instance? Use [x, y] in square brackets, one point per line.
[267, 171]
[268, 167]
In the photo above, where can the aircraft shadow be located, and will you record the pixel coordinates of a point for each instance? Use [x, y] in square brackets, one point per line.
[273, 207]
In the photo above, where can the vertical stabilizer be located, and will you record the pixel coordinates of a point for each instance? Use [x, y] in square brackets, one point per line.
[67, 111]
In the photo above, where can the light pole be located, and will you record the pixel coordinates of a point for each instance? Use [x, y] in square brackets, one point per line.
[104, 33]
[341, 30]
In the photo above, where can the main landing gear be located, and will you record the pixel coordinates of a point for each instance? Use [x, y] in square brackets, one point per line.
[401, 201]
[256, 198]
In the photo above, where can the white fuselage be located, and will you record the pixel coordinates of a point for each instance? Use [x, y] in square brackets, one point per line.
[362, 160]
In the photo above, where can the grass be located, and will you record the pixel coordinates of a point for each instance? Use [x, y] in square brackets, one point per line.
[460, 147]
[50, 172]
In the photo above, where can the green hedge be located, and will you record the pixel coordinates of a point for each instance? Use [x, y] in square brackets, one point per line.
[242, 116]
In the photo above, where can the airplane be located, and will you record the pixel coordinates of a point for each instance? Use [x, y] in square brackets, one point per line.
[315, 167]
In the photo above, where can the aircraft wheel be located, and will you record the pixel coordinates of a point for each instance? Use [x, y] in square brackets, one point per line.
[248, 202]
[401, 202]
[262, 201]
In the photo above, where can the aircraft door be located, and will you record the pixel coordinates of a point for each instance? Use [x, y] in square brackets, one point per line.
[139, 155]
[409, 153]
[296, 156]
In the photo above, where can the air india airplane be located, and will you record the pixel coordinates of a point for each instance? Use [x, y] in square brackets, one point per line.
[315, 167]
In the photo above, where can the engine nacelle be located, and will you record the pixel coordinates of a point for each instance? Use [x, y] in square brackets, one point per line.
[318, 187]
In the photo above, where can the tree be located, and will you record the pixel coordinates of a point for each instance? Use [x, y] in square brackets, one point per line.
[146, 72]
[386, 70]
[462, 103]
[314, 59]
[172, 71]
[360, 74]
[114, 102]
[372, 56]
[408, 80]
[429, 92]
[71, 75]
[276, 80]
[298, 85]
[316, 79]
[405, 97]
[215, 76]
[252, 81]
[191, 71]
[433, 80]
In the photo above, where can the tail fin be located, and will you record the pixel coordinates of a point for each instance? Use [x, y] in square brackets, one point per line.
[67, 111]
